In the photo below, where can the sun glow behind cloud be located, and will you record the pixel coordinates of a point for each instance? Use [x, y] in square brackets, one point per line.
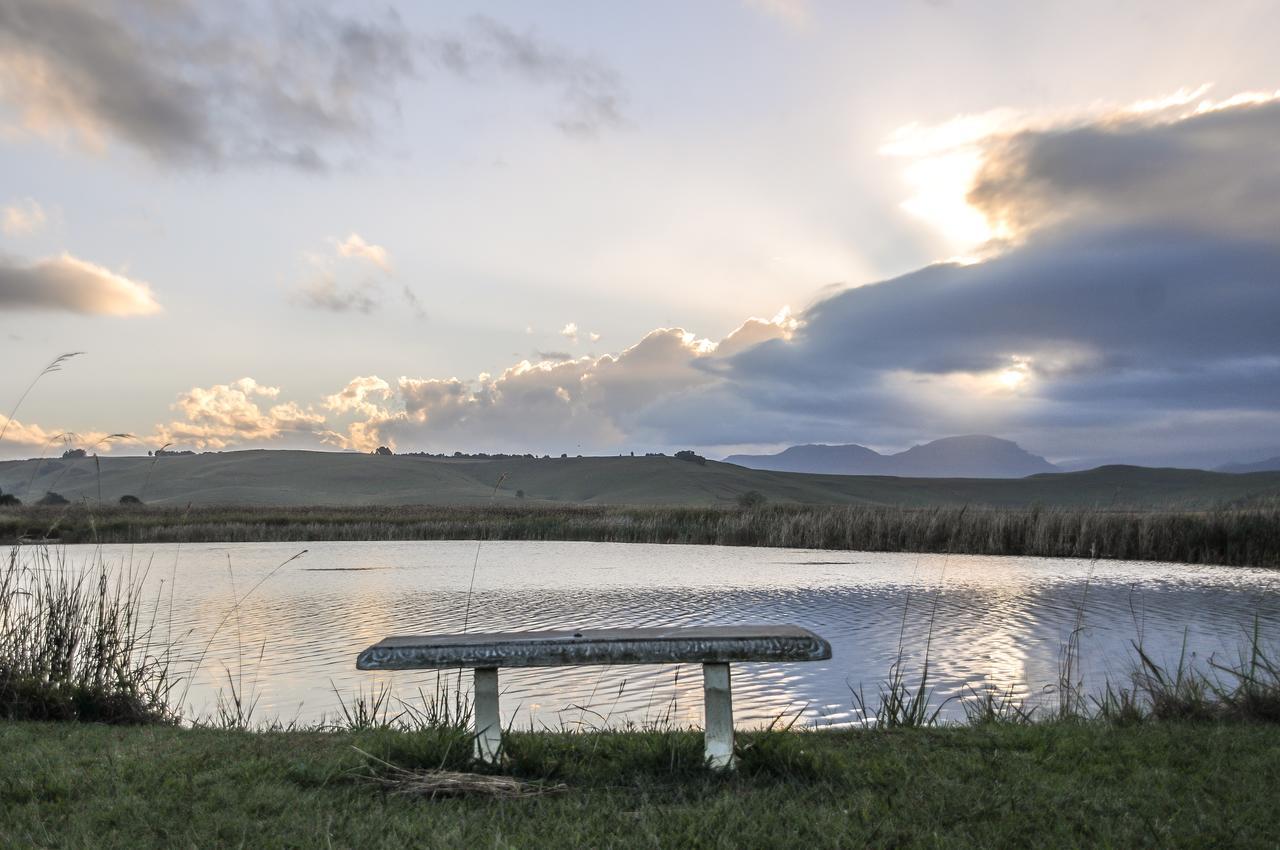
[1016, 376]
[944, 161]
[939, 187]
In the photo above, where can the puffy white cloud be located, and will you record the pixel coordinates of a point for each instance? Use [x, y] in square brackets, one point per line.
[361, 395]
[559, 402]
[355, 246]
[29, 439]
[230, 415]
[22, 217]
[28, 435]
[755, 331]
[573, 333]
[74, 285]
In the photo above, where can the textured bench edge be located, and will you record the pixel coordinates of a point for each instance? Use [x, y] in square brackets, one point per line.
[677, 645]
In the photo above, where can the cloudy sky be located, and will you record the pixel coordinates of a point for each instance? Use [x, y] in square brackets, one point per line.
[558, 226]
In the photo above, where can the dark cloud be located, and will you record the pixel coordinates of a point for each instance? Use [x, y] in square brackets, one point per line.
[592, 94]
[1087, 302]
[325, 292]
[1140, 300]
[226, 84]
[413, 302]
[202, 84]
[1218, 170]
[338, 293]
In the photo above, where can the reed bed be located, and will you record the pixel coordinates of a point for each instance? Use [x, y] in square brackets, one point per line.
[74, 644]
[1227, 536]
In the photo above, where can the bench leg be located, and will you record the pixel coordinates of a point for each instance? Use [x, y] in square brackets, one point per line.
[718, 705]
[488, 726]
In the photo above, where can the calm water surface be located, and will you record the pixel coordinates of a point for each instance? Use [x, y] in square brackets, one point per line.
[996, 621]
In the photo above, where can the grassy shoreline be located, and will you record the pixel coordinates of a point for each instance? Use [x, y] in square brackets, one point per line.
[1169, 757]
[1242, 536]
[1065, 784]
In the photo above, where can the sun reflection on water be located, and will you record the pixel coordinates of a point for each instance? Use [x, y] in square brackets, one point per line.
[987, 622]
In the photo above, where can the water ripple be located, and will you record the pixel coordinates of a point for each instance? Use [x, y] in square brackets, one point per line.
[999, 622]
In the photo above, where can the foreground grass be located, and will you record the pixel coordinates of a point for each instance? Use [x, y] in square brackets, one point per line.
[1068, 785]
[1242, 536]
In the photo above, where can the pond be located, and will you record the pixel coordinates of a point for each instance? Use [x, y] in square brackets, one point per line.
[1000, 622]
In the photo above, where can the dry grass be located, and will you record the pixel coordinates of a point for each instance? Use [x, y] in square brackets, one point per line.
[433, 784]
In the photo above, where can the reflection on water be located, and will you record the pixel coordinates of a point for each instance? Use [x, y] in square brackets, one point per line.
[987, 621]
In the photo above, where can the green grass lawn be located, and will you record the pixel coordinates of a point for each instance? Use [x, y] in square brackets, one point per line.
[1057, 785]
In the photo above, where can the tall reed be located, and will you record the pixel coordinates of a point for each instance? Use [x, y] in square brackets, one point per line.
[75, 643]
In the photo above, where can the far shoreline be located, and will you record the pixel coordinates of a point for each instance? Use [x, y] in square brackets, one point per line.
[1226, 537]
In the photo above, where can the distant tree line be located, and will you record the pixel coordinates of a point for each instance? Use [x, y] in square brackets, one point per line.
[50, 498]
[686, 454]
[72, 454]
[383, 450]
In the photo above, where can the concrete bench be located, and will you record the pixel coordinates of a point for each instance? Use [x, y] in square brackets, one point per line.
[714, 647]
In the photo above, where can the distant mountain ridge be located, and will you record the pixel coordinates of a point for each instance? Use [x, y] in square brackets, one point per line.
[1271, 464]
[971, 456]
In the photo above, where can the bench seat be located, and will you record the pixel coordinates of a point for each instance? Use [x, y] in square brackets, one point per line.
[714, 647]
[680, 645]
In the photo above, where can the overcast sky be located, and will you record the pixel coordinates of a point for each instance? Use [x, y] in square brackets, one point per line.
[561, 226]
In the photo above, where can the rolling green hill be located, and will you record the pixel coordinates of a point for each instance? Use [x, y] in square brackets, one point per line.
[264, 477]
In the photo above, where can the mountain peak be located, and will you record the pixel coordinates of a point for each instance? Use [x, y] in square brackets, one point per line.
[966, 456]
